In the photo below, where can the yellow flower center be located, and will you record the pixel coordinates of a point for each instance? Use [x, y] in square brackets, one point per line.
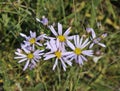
[58, 54]
[61, 38]
[77, 51]
[32, 40]
[30, 56]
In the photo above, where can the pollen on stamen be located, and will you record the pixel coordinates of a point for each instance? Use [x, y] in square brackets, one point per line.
[30, 56]
[61, 38]
[77, 51]
[58, 54]
[32, 40]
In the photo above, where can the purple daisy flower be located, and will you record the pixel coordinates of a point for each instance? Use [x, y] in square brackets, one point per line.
[56, 52]
[44, 20]
[79, 51]
[62, 38]
[28, 54]
[32, 39]
[94, 38]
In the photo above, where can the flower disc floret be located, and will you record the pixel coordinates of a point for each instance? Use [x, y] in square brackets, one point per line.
[61, 38]
[32, 41]
[77, 51]
[58, 54]
[30, 56]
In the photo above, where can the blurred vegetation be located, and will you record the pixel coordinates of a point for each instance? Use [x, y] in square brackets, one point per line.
[18, 16]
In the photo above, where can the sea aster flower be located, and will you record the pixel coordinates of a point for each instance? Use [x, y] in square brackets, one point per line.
[61, 38]
[44, 20]
[56, 52]
[47, 44]
[95, 40]
[32, 39]
[79, 51]
[29, 54]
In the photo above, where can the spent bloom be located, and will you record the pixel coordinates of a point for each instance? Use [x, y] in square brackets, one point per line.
[32, 39]
[28, 54]
[91, 32]
[61, 38]
[79, 52]
[94, 38]
[57, 53]
[97, 55]
[103, 35]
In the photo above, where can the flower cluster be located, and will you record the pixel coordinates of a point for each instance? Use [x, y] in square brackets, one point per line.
[61, 47]
[28, 51]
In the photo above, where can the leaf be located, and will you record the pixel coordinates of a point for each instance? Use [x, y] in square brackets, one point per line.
[39, 87]
[100, 87]
[110, 8]
[95, 3]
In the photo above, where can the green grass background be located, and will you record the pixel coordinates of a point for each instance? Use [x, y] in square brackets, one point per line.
[18, 16]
